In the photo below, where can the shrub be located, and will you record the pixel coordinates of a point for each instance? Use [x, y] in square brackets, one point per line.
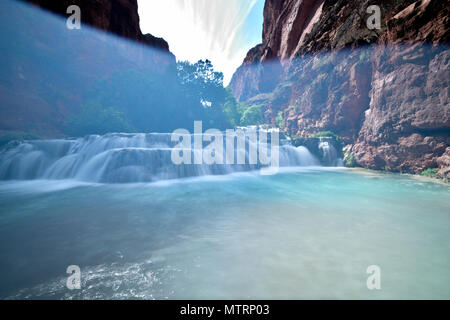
[349, 160]
[279, 119]
[252, 116]
[325, 134]
[430, 172]
[339, 144]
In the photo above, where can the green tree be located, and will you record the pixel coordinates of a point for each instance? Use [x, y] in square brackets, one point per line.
[230, 109]
[252, 116]
[204, 92]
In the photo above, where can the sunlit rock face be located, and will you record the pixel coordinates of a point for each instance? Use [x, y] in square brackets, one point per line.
[286, 23]
[385, 92]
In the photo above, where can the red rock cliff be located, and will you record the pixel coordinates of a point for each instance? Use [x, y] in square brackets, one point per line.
[384, 91]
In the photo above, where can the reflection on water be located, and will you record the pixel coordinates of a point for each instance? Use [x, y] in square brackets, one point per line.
[306, 233]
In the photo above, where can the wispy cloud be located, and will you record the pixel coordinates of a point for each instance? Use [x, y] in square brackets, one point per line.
[199, 29]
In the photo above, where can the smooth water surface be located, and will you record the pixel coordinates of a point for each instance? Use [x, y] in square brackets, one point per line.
[303, 233]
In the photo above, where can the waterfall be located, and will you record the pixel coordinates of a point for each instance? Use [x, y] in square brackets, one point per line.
[118, 158]
[329, 153]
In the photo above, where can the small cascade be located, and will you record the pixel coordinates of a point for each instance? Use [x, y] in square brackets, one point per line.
[329, 153]
[120, 158]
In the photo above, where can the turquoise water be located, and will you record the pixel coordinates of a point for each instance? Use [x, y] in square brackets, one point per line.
[304, 233]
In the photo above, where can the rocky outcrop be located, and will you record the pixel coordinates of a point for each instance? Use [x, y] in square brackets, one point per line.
[407, 127]
[247, 79]
[444, 165]
[385, 91]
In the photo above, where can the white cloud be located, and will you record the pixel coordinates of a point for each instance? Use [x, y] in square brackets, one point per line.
[200, 29]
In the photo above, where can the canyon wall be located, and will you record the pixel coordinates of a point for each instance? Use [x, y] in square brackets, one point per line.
[384, 91]
[49, 73]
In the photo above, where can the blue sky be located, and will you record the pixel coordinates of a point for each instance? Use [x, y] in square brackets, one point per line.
[220, 30]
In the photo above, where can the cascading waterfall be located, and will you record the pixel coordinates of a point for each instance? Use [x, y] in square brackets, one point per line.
[118, 158]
